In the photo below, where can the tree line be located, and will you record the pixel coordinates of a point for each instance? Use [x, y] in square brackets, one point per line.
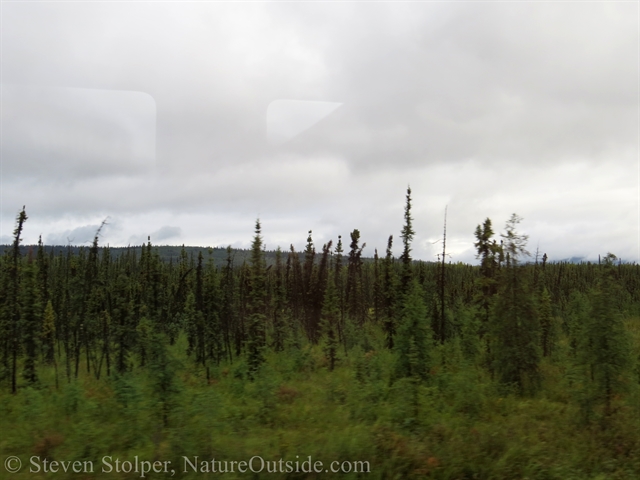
[87, 312]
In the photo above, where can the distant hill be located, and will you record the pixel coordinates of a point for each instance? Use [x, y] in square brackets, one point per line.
[219, 254]
[166, 252]
[172, 252]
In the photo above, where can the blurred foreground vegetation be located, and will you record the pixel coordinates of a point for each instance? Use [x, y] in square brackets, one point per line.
[460, 425]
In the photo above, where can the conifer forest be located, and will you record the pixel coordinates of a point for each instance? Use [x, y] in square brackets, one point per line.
[315, 362]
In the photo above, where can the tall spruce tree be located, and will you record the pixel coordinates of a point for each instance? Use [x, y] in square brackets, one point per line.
[42, 262]
[339, 282]
[487, 249]
[407, 238]
[389, 288]
[11, 312]
[310, 286]
[414, 336]
[354, 295]
[256, 334]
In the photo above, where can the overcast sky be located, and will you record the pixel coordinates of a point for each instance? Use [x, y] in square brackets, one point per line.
[187, 121]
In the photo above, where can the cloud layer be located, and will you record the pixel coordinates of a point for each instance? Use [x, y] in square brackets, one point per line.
[488, 108]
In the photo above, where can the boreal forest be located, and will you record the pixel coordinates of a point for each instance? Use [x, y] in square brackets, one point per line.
[385, 368]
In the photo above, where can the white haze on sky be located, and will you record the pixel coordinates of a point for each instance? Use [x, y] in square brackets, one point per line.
[187, 121]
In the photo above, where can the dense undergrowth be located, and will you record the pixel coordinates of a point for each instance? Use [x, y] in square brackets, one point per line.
[458, 424]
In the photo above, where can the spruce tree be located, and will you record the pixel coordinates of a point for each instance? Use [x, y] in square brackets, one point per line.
[256, 305]
[11, 312]
[354, 295]
[310, 287]
[42, 263]
[487, 249]
[339, 283]
[389, 288]
[407, 238]
[378, 294]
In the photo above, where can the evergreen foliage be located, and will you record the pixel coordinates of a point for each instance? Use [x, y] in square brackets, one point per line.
[515, 333]
[390, 290]
[256, 334]
[280, 311]
[407, 238]
[547, 325]
[218, 356]
[488, 253]
[330, 319]
[354, 295]
[48, 333]
[605, 346]
[415, 338]
[515, 326]
[31, 322]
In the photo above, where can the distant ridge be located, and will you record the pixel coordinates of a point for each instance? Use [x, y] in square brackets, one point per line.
[166, 252]
[172, 253]
[219, 254]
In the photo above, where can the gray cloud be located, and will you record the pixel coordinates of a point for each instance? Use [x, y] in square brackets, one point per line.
[164, 233]
[75, 236]
[51, 132]
[490, 108]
